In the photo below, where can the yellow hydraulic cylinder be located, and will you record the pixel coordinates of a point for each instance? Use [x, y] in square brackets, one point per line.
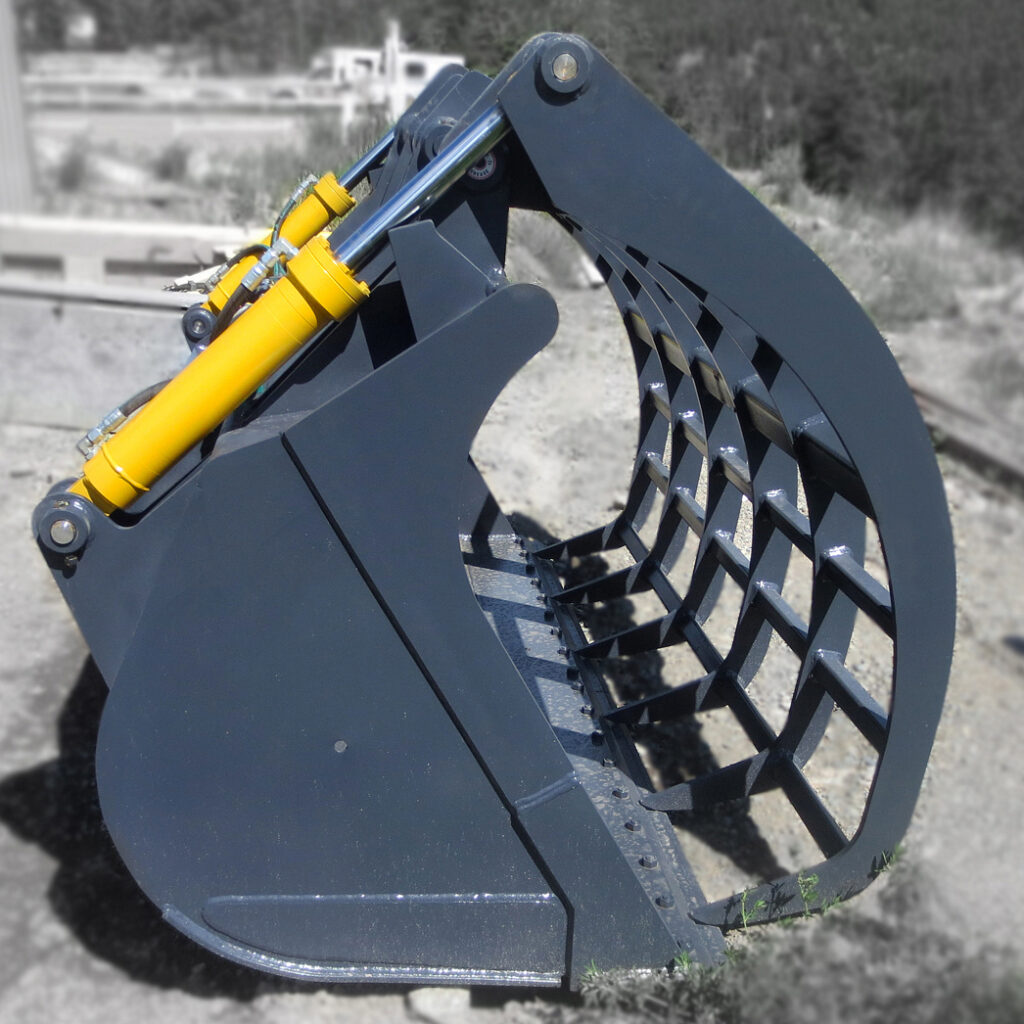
[326, 200]
[316, 290]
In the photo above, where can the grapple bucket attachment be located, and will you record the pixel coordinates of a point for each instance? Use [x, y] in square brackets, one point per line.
[357, 728]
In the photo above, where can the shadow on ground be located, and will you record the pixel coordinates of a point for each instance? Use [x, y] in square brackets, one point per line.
[1015, 643]
[55, 805]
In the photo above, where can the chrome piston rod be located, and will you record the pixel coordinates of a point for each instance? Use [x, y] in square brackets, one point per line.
[425, 188]
[367, 162]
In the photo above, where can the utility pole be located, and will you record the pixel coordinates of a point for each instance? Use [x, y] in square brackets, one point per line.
[16, 192]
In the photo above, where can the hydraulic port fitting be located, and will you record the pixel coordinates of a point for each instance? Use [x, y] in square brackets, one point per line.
[257, 273]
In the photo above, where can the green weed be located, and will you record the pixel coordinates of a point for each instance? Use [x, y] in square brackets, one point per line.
[808, 891]
[682, 961]
[747, 913]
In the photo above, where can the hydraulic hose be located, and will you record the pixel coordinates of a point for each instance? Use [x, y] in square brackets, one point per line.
[88, 444]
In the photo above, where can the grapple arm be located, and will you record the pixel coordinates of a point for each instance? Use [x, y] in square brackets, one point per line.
[734, 318]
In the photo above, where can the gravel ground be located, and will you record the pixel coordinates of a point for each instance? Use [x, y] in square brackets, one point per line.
[78, 943]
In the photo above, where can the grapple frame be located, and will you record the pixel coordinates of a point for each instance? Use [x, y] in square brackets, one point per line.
[340, 745]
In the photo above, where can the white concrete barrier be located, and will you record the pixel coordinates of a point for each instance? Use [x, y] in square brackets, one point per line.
[113, 252]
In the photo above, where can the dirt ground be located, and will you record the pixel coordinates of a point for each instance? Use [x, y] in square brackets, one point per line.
[77, 941]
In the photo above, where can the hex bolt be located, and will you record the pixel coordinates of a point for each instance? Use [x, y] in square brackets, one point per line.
[587, 709]
[633, 826]
[665, 902]
[597, 737]
[619, 793]
[63, 532]
[608, 762]
[565, 67]
[648, 861]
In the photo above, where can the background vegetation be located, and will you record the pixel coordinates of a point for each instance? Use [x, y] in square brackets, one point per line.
[910, 102]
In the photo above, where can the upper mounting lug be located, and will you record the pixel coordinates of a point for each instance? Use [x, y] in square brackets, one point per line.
[564, 65]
